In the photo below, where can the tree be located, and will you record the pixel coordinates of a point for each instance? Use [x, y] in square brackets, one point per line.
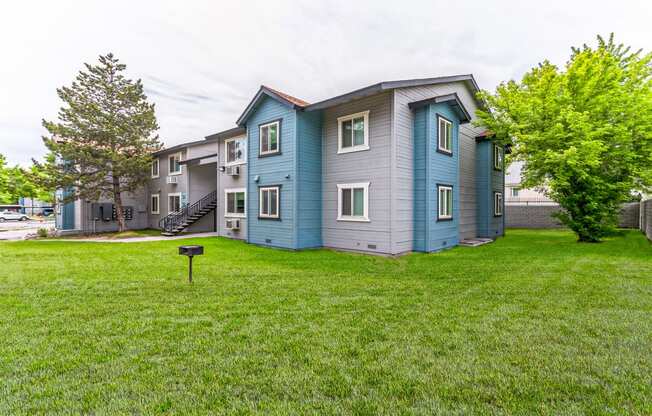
[102, 144]
[584, 132]
[16, 182]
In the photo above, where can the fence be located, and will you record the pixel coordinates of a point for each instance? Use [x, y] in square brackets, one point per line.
[526, 215]
[645, 218]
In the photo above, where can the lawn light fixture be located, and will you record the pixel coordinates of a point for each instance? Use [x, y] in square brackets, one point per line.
[190, 251]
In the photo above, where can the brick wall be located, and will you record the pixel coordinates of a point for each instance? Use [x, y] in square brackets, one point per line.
[540, 216]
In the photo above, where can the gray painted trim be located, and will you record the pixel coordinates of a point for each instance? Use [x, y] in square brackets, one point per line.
[181, 146]
[259, 95]
[227, 134]
[389, 85]
[465, 117]
[195, 159]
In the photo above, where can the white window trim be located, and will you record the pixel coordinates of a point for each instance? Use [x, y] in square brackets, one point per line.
[498, 208]
[158, 203]
[180, 171]
[278, 138]
[360, 147]
[244, 151]
[365, 216]
[228, 214]
[439, 189]
[158, 168]
[169, 207]
[439, 135]
[278, 201]
[498, 151]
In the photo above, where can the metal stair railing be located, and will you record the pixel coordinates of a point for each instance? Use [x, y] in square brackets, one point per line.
[175, 219]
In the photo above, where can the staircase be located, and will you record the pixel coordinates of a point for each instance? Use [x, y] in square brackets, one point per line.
[176, 222]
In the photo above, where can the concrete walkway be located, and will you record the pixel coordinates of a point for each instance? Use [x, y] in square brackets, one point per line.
[133, 240]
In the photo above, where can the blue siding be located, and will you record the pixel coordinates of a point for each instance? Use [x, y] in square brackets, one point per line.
[272, 170]
[68, 212]
[432, 168]
[308, 178]
[489, 180]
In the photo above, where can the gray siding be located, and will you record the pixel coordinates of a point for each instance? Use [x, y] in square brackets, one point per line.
[159, 186]
[371, 165]
[403, 148]
[225, 181]
[202, 180]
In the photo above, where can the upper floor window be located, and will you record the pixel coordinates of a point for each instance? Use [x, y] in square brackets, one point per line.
[353, 132]
[155, 168]
[498, 204]
[353, 201]
[235, 151]
[270, 138]
[235, 205]
[498, 157]
[444, 135]
[269, 202]
[445, 202]
[174, 164]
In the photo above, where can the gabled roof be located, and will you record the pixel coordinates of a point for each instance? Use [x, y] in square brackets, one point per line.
[282, 97]
[389, 85]
[227, 134]
[180, 146]
[452, 99]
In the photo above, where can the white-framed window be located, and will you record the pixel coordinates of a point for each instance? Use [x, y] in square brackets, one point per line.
[154, 203]
[353, 201]
[174, 164]
[235, 151]
[353, 132]
[515, 192]
[444, 135]
[498, 204]
[269, 202]
[270, 138]
[498, 157]
[174, 202]
[444, 202]
[235, 202]
[155, 168]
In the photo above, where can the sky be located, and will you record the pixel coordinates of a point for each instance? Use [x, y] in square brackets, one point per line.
[202, 61]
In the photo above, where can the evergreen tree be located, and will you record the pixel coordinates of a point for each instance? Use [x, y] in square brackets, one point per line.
[102, 144]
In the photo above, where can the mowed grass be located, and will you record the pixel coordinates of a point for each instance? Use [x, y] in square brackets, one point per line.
[533, 323]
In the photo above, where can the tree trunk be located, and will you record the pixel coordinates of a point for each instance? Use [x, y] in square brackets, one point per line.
[117, 200]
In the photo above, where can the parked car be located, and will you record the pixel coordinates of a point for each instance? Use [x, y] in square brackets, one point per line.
[9, 215]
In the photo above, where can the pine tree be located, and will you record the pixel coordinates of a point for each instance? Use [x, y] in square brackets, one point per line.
[101, 146]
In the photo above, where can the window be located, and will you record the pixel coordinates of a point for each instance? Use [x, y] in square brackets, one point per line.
[515, 192]
[498, 204]
[155, 168]
[174, 203]
[498, 157]
[445, 202]
[174, 166]
[444, 135]
[270, 138]
[235, 151]
[353, 132]
[154, 204]
[235, 202]
[353, 201]
[269, 202]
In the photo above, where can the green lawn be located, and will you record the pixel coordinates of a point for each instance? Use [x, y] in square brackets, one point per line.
[534, 323]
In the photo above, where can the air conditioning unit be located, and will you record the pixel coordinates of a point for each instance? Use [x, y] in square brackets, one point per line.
[233, 170]
[232, 224]
[172, 180]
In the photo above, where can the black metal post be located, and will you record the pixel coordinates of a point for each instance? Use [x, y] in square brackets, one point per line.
[190, 269]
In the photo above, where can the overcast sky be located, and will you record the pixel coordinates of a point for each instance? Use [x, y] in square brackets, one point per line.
[202, 61]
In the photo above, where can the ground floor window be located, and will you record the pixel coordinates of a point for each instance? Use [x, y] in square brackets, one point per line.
[444, 202]
[174, 202]
[515, 192]
[269, 202]
[155, 204]
[235, 202]
[353, 201]
[498, 204]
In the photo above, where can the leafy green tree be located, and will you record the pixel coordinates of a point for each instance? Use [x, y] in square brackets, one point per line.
[16, 182]
[584, 131]
[102, 144]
